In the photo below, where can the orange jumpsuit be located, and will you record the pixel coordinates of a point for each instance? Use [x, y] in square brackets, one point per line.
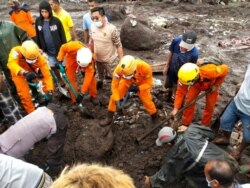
[210, 75]
[23, 19]
[69, 51]
[143, 78]
[17, 63]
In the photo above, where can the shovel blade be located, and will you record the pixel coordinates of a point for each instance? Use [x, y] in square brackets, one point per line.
[86, 113]
[63, 91]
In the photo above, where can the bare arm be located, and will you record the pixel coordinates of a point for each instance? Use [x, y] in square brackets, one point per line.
[115, 37]
[86, 36]
[73, 33]
[120, 52]
[169, 57]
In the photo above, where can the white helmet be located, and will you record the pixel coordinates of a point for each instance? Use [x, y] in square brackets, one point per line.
[84, 57]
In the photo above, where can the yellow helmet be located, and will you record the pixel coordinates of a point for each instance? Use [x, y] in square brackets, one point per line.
[188, 73]
[30, 50]
[128, 65]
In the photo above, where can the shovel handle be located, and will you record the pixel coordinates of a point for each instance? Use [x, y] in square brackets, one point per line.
[179, 111]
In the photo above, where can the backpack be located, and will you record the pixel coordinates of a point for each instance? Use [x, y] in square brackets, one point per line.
[25, 7]
[209, 60]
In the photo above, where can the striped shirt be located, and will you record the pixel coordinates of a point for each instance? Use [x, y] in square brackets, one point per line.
[9, 108]
[106, 41]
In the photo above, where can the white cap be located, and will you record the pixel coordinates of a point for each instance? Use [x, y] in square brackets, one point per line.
[186, 45]
[188, 40]
[84, 57]
[165, 135]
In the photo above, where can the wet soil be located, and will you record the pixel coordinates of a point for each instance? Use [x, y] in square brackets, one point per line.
[85, 140]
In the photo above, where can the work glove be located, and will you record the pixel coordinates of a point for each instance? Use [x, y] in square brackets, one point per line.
[49, 96]
[39, 74]
[79, 98]
[133, 88]
[118, 107]
[29, 76]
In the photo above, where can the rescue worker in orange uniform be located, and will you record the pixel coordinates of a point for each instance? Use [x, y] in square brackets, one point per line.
[22, 17]
[27, 64]
[192, 80]
[131, 75]
[77, 55]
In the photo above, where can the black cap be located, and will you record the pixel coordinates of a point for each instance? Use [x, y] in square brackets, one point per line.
[189, 37]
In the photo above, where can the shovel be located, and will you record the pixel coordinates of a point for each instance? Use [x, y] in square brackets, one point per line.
[138, 139]
[58, 87]
[65, 77]
[36, 90]
[123, 111]
[55, 80]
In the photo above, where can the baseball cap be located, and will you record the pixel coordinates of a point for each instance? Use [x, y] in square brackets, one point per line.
[13, 1]
[165, 135]
[188, 40]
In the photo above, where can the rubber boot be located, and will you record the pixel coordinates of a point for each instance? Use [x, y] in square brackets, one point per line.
[222, 138]
[107, 120]
[99, 84]
[155, 118]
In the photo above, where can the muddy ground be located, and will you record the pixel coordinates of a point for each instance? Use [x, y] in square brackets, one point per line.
[212, 23]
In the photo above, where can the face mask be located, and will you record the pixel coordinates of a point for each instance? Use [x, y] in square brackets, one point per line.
[98, 24]
[31, 61]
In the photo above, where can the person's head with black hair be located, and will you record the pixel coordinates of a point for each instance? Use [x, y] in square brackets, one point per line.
[98, 17]
[91, 4]
[55, 5]
[14, 5]
[45, 10]
[219, 174]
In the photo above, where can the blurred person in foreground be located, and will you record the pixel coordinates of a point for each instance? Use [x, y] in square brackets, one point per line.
[93, 176]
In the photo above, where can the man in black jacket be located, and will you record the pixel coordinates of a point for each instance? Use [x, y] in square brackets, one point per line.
[50, 35]
[186, 158]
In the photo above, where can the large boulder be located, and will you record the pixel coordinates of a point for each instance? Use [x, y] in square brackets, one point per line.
[137, 35]
[115, 12]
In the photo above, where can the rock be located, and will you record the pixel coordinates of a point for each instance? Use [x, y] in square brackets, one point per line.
[115, 12]
[104, 100]
[94, 142]
[139, 36]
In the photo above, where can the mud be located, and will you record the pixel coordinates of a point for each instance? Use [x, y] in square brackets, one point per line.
[213, 23]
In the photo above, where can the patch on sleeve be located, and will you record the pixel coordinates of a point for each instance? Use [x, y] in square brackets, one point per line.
[180, 84]
[116, 76]
[15, 55]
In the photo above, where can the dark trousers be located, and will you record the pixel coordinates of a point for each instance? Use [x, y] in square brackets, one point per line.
[56, 142]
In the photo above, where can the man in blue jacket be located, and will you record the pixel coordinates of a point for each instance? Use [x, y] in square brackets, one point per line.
[181, 50]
